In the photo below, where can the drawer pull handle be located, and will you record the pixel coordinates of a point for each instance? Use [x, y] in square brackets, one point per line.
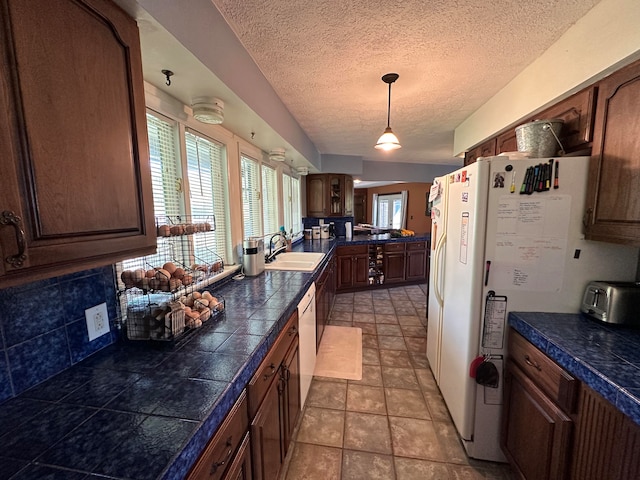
[273, 371]
[223, 462]
[532, 364]
[293, 331]
[10, 218]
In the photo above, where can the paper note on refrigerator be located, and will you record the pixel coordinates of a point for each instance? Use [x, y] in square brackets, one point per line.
[531, 243]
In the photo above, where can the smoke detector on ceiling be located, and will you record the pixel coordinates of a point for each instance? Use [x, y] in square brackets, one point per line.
[277, 155]
[208, 110]
[302, 171]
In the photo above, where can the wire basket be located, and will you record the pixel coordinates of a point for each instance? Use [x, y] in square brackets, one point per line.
[156, 317]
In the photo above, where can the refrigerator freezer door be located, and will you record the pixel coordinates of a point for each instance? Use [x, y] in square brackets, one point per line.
[436, 277]
[463, 263]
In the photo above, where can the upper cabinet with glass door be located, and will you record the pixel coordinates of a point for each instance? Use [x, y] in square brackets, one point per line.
[329, 195]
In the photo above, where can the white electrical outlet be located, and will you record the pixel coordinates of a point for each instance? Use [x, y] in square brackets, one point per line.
[97, 321]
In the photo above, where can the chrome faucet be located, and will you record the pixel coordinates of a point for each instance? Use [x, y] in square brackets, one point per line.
[272, 253]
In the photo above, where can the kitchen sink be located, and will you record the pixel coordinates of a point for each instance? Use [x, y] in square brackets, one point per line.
[297, 261]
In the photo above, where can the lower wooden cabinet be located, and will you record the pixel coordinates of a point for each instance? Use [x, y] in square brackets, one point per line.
[240, 469]
[352, 266]
[393, 262]
[227, 447]
[417, 263]
[274, 403]
[536, 433]
[547, 434]
[607, 443]
[325, 294]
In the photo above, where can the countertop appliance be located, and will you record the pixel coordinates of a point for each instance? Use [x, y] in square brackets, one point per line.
[253, 256]
[499, 250]
[307, 336]
[613, 302]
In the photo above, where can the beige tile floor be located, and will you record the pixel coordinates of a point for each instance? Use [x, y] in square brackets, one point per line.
[393, 424]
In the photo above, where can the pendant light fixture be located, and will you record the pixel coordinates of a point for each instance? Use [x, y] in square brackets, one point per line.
[388, 140]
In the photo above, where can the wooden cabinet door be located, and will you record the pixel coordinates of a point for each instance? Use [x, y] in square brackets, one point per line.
[317, 196]
[361, 270]
[577, 112]
[487, 149]
[416, 265]
[613, 197]
[291, 398]
[506, 142]
[348, 196]
[76, 183]
[394, 267]
[240, 469]
[535, 432]
[345, 272]
[607, 442]
[267, 434]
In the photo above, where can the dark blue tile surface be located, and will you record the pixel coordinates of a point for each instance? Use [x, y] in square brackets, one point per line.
[240, 344]
[81, 293]
[16, 411]
[102, 387]
[93, 442]
[48, 473]
[79, 344]
[42, 431]
[603, 356]
[5, 380]
[61, 385]
[37, 359]
[157, 439]
[10, 466]
[32, 313]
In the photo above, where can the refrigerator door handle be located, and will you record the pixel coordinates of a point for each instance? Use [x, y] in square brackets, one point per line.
[437, 273]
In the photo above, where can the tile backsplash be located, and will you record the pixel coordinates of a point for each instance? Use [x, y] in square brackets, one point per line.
[43, 329]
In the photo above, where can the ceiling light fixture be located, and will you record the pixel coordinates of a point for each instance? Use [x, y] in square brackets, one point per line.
[388, 140]
[208, 110]
[277, 155]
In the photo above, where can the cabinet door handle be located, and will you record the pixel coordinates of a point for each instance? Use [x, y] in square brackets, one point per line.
[273, 371]
[223, 462]
[586, 219]
[293, 331]
[10, 218]
[532, 363]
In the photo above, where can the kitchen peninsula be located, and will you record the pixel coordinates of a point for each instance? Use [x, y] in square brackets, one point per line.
[134, 410]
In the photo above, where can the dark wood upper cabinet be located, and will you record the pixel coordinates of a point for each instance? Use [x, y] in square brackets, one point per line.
[506, 142]
[577, 112]
[329, 195]
[74, 155]
[487, 149]
[613, 198]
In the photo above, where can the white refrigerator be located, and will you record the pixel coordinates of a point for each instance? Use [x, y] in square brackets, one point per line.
[496, 250]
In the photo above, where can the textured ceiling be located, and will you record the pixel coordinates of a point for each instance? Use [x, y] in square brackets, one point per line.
[325, 59]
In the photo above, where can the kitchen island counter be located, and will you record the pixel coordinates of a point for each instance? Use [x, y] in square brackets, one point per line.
[141, 411]
[604, 357]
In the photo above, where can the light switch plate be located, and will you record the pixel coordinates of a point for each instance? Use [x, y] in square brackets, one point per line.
[97, 321]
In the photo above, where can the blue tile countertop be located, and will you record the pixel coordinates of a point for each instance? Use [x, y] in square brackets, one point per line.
[140, 411]
[605, 357]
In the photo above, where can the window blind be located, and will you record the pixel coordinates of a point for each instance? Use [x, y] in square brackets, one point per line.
[251, 211]
[296, 209]
[270, 199]
[286, 200]
[206, 172]
[164, 166]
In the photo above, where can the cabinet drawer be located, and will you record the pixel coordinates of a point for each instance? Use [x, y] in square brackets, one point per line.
[352, 249]
[219, 452]
[417, 246]
[559, 385]
[268, 370]
[394, 247]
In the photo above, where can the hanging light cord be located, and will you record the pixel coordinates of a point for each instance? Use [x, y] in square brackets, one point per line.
[389, 107]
